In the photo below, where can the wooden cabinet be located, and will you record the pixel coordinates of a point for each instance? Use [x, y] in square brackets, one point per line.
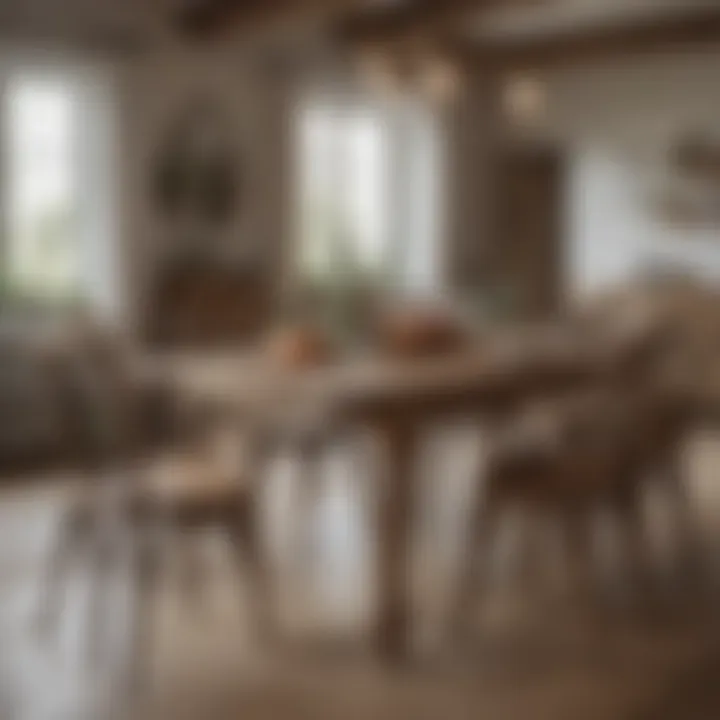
[209, 304]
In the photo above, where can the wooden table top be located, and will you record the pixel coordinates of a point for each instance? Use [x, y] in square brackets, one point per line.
[364, 388]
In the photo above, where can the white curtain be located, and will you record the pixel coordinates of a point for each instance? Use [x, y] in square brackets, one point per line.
[369, 179]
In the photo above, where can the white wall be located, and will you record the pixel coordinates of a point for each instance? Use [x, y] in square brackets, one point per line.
[618, 120]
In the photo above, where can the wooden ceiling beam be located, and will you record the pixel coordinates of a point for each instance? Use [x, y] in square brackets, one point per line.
[441, 21]
[397, 22]
[689, 32]
[208, 18]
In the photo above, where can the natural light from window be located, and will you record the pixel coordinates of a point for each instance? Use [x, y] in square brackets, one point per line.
[43, 230]
[368, 192]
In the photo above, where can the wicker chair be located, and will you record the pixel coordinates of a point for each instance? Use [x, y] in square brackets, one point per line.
[121, 424]
[597, 450]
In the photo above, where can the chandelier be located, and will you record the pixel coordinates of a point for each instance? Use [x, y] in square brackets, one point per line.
[411, 69]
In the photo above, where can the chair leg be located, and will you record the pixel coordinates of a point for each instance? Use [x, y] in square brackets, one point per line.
[145, 573]
[685, 521]
[533, 536]
[475, 567]
[629, 513]
[193, 569]
[579, 552]
[105, 554]
[244, 535]
[73, 538]
[310, 488]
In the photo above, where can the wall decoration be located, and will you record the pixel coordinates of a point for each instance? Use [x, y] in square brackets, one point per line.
[204, 293]
[690, 195]
[197, 177]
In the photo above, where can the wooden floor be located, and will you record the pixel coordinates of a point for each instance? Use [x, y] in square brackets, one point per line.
[533, 655]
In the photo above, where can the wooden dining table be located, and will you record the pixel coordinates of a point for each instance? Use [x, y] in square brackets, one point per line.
[397, 400]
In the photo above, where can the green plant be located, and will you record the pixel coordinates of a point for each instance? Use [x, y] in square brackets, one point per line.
[335, 289]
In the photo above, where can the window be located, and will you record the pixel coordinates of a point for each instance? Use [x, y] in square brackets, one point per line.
[342, 184]
[56, 191]
[43, 231]
[368, 192]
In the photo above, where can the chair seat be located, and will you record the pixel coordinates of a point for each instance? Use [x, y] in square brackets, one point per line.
[193, 492]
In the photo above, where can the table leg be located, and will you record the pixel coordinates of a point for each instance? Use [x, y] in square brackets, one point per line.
[393, 630]
[310, 488]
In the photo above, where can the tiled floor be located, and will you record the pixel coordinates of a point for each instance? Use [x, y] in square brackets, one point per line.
[532, 658]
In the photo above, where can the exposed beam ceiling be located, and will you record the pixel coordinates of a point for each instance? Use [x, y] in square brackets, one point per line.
[390, 22]
[697, 30]
[355, 20]
[450, 23]
[557, 16]
[104, 27]
[203, 19]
